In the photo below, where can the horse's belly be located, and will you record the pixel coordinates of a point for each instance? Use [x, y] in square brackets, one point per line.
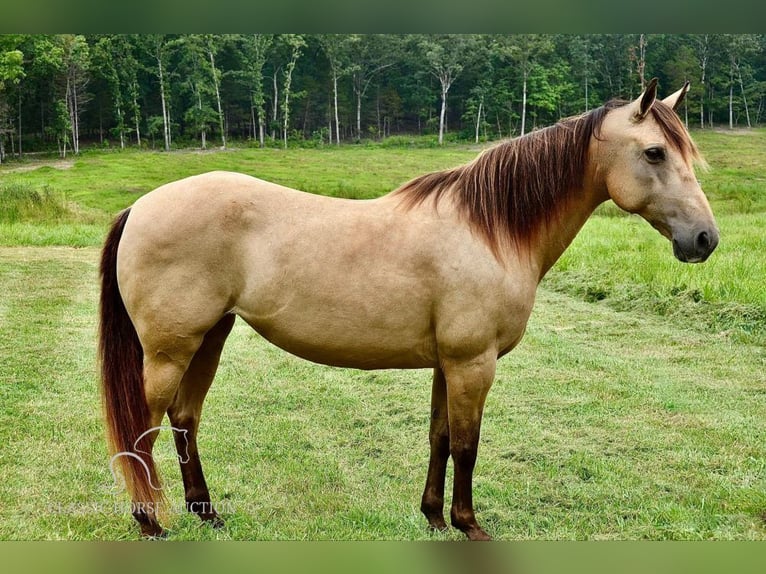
[348, 336]
[351, 345]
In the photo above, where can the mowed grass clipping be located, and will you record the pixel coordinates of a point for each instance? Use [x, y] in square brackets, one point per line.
[601, 425]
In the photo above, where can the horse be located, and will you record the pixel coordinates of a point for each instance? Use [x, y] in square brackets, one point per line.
[440, 273]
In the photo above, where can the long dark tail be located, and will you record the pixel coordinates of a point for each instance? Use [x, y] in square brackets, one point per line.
[122, 379]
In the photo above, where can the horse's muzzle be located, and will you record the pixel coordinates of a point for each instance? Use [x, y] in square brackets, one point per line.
[697, 247]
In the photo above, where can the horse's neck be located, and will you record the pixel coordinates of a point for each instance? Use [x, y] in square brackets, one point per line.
[553, 238]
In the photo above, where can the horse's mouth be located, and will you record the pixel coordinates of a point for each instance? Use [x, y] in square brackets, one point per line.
[684, 257]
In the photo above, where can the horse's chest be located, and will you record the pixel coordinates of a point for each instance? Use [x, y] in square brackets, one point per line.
[512, 321]
[493, 317]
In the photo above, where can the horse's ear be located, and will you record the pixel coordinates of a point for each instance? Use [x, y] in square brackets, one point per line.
[645, 101]
[674, 100]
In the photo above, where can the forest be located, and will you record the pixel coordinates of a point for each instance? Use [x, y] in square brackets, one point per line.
[64, 92]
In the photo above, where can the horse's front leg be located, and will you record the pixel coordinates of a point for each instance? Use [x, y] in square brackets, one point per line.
[432, 504]
[468, 382]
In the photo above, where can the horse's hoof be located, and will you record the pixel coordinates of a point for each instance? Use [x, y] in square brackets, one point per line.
[215, 522]
[478, 534]
[155, 534]
[437, 524]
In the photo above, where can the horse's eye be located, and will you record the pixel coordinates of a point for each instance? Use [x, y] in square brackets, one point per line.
[654, 154]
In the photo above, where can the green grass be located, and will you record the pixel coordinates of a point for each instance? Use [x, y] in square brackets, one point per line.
[601, 425]
[20, 201]
[633, 409]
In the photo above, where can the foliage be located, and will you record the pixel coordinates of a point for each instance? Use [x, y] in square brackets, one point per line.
[387, 84]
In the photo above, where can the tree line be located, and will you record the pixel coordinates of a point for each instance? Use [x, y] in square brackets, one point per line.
[162, 91]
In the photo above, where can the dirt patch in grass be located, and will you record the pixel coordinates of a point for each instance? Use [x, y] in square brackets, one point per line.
[57, 164]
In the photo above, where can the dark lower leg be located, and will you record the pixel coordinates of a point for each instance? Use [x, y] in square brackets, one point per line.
[185, 414]
[148, 524]
[196, 493]
[462, 513]
[432, 503]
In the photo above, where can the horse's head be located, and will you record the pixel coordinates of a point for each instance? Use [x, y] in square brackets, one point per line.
[644, 156]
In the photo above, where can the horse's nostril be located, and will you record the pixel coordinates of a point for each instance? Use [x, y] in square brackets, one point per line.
[703, 241]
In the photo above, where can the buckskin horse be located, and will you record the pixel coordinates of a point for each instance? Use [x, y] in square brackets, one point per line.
[441, 273]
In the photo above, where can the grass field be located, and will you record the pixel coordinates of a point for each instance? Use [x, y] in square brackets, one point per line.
[633, 409]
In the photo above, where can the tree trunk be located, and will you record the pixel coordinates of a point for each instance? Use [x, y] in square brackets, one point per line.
[19, 124]
[252, 122]
[642, 60]
[218, 99]
[442, 114]
[261, 129]
[286, 108]
[203, 138]
[702, 95]
[71, 103]
[288, 82]
[358, 116]
[731, 99]
[587, 105]
[744, 99]
[137, 119]
[275, 106]
[165, 114]
[478, 121]
[335, 102]
[524, 104]
[122, 129]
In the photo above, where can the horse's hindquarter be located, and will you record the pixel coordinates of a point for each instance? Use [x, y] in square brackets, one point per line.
[340, 282]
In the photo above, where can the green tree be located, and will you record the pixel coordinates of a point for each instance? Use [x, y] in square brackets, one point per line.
[338, 49]
[582, 52]
[113, 61]
[158, 48]
[61, 126]
[680, 66]
[524, 51]
[11, 73]
[199, 113]
[76, 68]
[295, 43]
[446, 56]
[371, 54]
[212, 44]
[254, 52]
[740, 48]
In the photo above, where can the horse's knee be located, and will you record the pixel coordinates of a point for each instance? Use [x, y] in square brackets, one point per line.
[464, 454]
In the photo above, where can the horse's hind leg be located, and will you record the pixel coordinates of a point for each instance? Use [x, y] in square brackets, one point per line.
[184, 414]
[432, 504]
[162, 375]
